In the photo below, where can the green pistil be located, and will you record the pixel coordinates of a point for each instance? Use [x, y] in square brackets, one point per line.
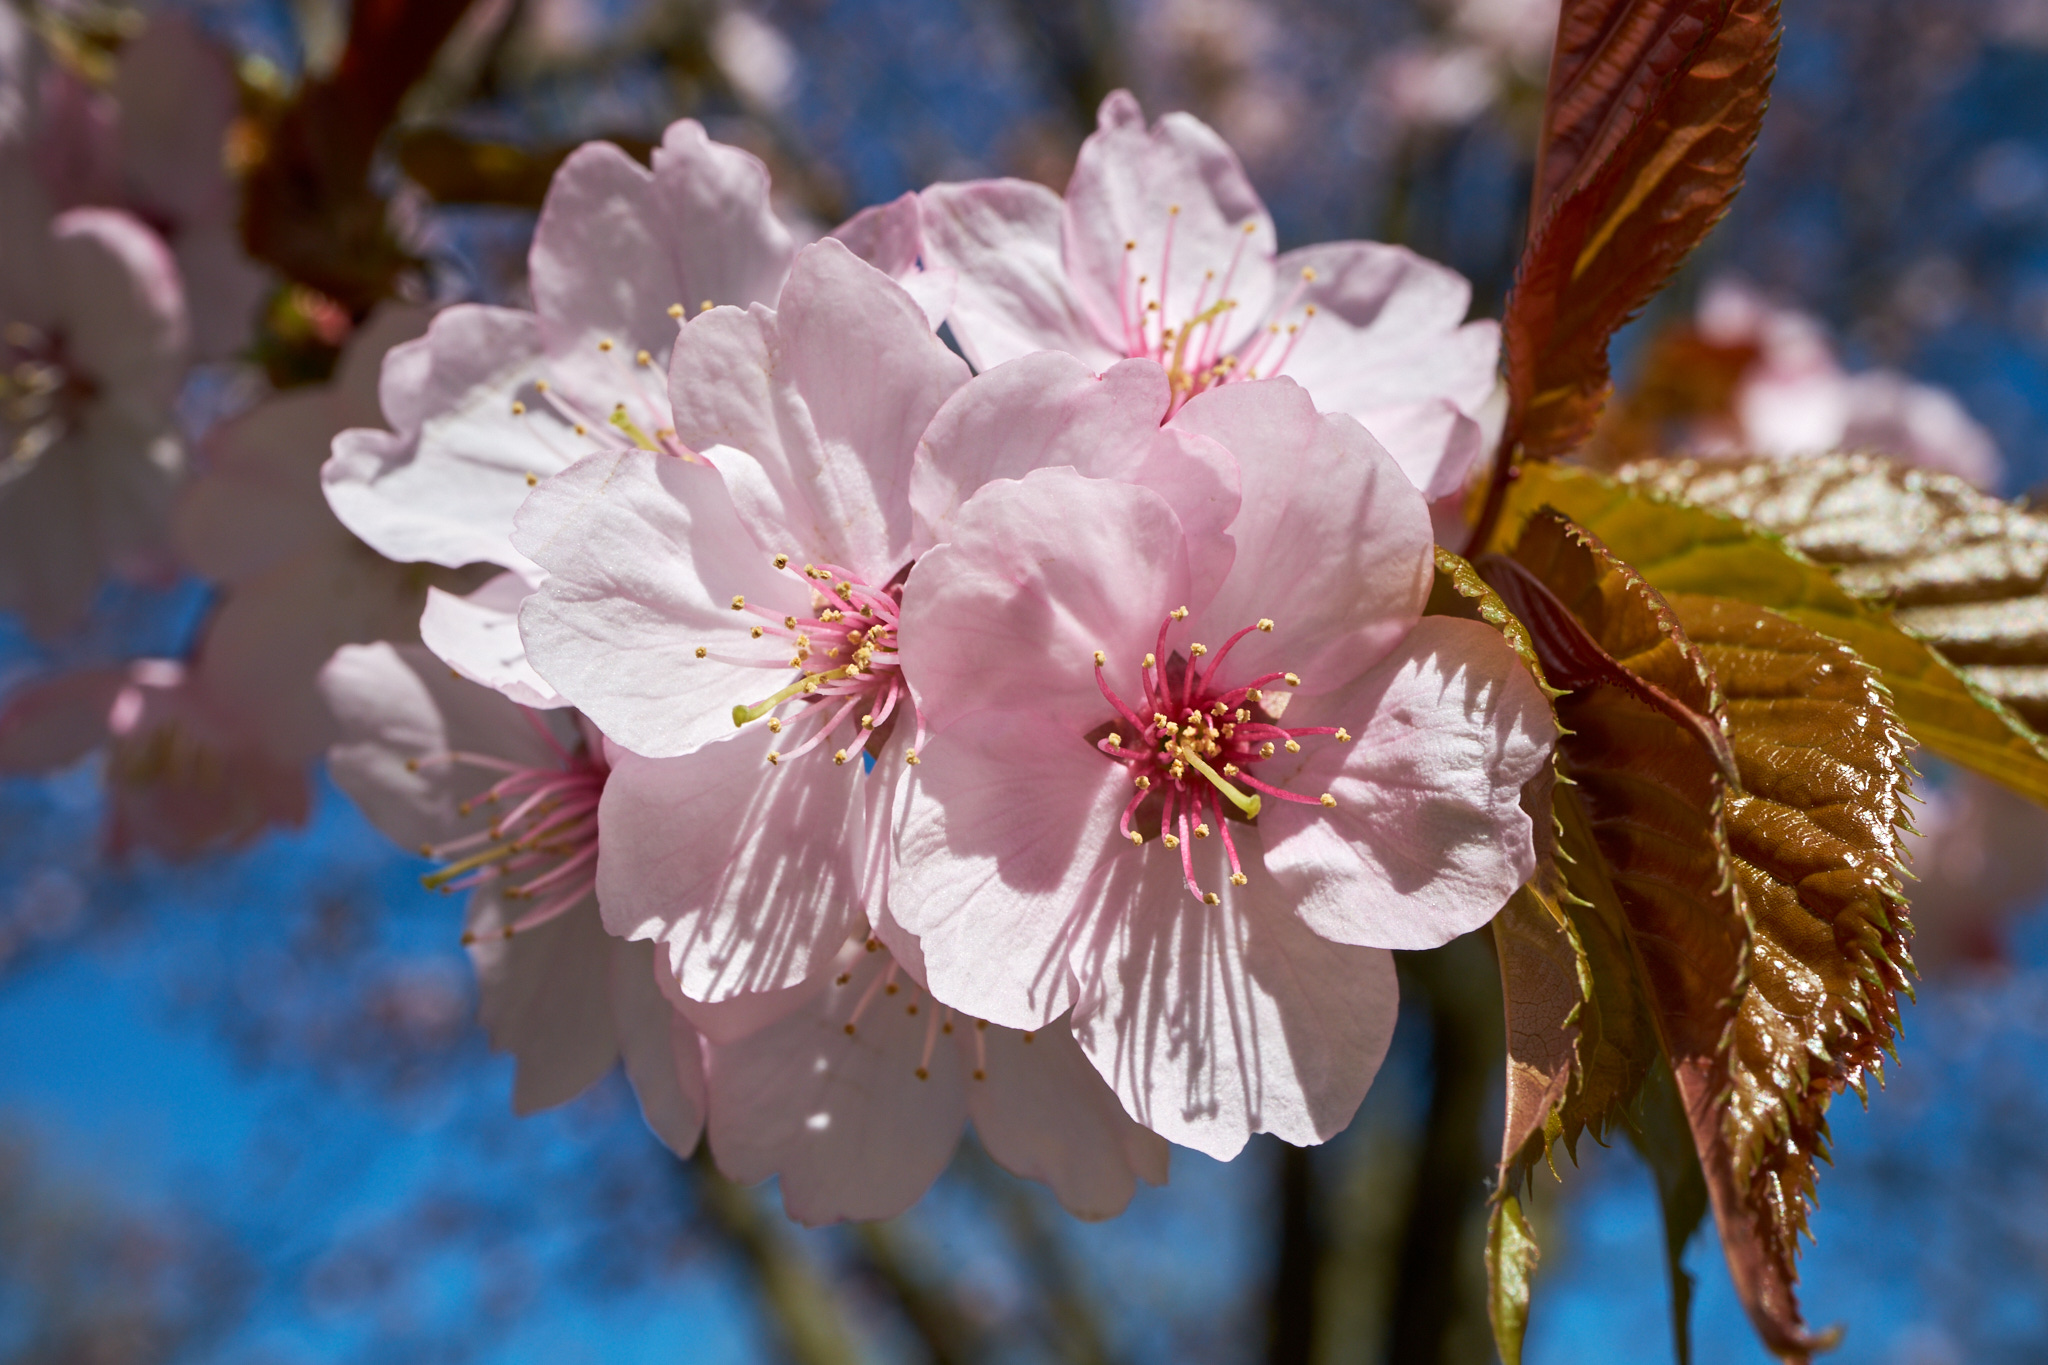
[626, 424]
[741, 715]
[1248, 804]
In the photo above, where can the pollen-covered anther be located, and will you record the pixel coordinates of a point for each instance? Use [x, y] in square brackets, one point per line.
[1293, 746]
[755, 632]
[1098, 658]
[1198, 649]
[867, 722]
[910, 757]
[1179, 613]
[518, 408]
[773, 758]
[839, 756]
[1238, 879]
[642, 358]
[1170, 840]
[774, 725]
[675, 310]
[1211, 898]
[1343, 736]
[1266, 624]
[1292, 680]
[1201, 831]
[1328, 800]
[1135, 837]
[702, 652]
[782, 561]
[739, 602]
[605, 345]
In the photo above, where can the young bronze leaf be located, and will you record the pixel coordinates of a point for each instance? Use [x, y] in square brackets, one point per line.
[1652, 111]
[1813, 833]
[1654, 787]
[1683, 548]
[1964, 571]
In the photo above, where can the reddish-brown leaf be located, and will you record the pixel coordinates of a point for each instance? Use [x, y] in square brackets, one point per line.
[1655, 789]
[1652, 110]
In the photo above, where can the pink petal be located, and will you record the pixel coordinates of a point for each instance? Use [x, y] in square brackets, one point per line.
[825, 398]
[1127, 182]
[1043, 410]
[998, 861]
[1044, 1114]
[176, 92]
[1428, 838]
[1002, 239]
[1041, 574]
[616, 244]
[842, 1118]
[545, 998]
[395, 705]
[664, 1058]
[1333, 543]
[478, 637]
[645, 554]
[443, 486]
[761, 894]
[1212, 1023]
[125, 308]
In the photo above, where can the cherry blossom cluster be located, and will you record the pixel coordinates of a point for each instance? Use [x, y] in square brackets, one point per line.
[860, 734]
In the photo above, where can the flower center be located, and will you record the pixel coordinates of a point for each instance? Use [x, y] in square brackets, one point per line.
[542, 837]
[41, 395]
[844, 656]
[1191, 348]
[1195, 754]
[890, 987]
[632, 410]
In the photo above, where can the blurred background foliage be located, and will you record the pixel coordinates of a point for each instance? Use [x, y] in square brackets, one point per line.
[249, 1117]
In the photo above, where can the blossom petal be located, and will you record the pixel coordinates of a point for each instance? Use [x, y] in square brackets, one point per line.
[1333, 543]
[645, 555]
[1137, 185]
[1212, 1023]
[125, 318]
[998, 861]
[839, 1113]
[825, 398]
[1040, 575]
[1002, 239]
[396, 705]
[478, 637]
[618, 244]
[1428, 837]
[443, 486]
[1044, 1114]
[664, 1059]
[742, 869]
[545, 998]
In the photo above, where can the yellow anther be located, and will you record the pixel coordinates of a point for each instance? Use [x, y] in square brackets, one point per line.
[1173, 210]
[774, 725]
[518, 408]
[849, 1030]
[1266, 624]
[910, 757]
[605, 345]
[675, 310]
[1171, 841]
[782, 561]
[532, 479]
[705, 306]
[1201, 831]
[1098, 658]
[755, 632]
[582, 430]
[1211, 898]
[1136, 837]
[1308, 274]
[1142, 782]
[774, 757]
[1253, 694]
[701, 651]
[739, 602]
[1310, 310]
[1266, 749]
[789, 623]
[1198, 650]
[540, 386]
[867, 722]
[1250, 228]
[920, 1073]
[1238, 879]
[839, 756]
[1292, 680]
[1343, 735]
[642, 358]
[1293, 746]
[1241, 716]
[1230, 770]
[1151, 662]
[1179, 613]
[1116, 741]
[1328, 800]
[1130, 245]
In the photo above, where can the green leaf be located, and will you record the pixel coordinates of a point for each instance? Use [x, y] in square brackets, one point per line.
[1962, 570]
[1511, 1256]
[1681, 548]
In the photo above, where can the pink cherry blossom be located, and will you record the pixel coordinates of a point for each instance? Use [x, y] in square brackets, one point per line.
[856, 1097]
[92, 350]
[506, 798]
[1193, 784]
[153, 142]
[296, 584]
[183, 776]
[1795, 397]
[753, 586]
[1162, 249]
